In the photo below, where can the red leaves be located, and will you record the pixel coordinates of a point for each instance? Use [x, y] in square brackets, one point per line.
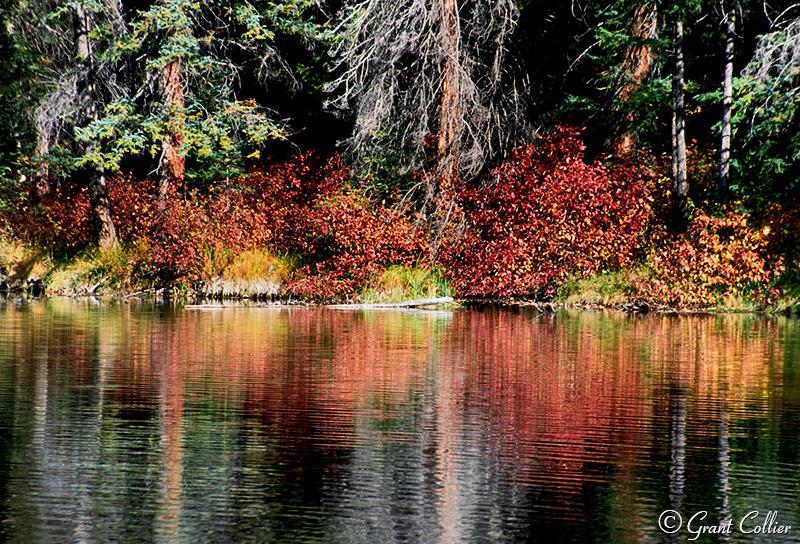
[61, 220]
[302, 206]
[352, 244]
[548, 214]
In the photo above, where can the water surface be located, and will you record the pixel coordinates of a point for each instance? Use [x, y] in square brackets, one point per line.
[143, 423]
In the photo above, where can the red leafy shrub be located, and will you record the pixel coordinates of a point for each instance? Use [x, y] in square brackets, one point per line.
[353, 244]
[548, 214]
[278, 199]
[303, 206]
[175, 238]
[60, 221]
[133, 206]
[718, 256]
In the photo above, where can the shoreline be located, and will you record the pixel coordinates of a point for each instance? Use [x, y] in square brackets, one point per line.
[160, 296]
[25, 275]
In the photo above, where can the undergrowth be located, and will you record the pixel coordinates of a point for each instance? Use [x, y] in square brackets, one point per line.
[547, 225]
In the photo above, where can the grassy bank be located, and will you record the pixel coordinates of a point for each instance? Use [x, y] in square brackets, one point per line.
[254, 274]
[260, 274]
[621, 289]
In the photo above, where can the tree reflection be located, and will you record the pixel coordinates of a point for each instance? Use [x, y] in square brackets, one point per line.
[290, 425]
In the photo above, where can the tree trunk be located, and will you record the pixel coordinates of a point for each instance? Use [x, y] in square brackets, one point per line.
[101, 206]
[448, 144]
[44, 185]
[172, 166]
[727, 106]
[636, 68]
[679, 181]
[88, 112]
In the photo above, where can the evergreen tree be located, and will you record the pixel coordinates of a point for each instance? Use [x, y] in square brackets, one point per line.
[638, 50]
[184, 61]
[15, 101]
[88, 106]
[66, 44]
[766, 115]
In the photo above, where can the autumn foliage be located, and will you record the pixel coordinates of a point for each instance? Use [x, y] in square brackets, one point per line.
[303, 206]
[307, 208]
[548, 213]
[718, 256]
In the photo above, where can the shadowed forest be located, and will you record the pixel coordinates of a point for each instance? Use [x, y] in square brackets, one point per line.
[575, 151]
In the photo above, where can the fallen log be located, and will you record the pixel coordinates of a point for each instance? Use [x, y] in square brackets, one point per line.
[404, 304]
[377, 305]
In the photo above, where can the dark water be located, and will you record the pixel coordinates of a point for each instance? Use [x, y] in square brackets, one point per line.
[136, 423]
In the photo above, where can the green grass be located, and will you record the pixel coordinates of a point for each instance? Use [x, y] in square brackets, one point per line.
[399, 283]
[789, 285]
[605, 289]
[615, 288]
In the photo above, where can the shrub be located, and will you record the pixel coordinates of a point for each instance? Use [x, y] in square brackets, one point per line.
[717, 257]
[197, 238]
[351, 244]
[302, 206]
[60, 221]
[548, 214]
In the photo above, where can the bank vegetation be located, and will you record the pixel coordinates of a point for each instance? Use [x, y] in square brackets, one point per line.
[365, 151]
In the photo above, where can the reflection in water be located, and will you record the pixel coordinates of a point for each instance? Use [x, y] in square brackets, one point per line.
[677, 450]
[151, 424]
[170, 415]
[724, 457]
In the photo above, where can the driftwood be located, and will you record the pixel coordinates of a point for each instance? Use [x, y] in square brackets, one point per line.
[235, 307]
[378, 305]
[404, 304]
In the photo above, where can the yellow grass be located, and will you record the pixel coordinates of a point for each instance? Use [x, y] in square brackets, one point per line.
[259, 264]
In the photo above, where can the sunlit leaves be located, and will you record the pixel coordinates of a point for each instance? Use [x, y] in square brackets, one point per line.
[718, 256]
[216, 126]
[549, 214]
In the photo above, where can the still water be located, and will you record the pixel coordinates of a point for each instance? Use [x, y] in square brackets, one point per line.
[142, 423]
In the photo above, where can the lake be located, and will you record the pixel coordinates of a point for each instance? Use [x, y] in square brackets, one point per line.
[135, 422]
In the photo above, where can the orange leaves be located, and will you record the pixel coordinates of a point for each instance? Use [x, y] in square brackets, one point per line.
[718, 256]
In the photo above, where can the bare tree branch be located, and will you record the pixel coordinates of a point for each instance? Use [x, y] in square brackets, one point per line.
[396, 65]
